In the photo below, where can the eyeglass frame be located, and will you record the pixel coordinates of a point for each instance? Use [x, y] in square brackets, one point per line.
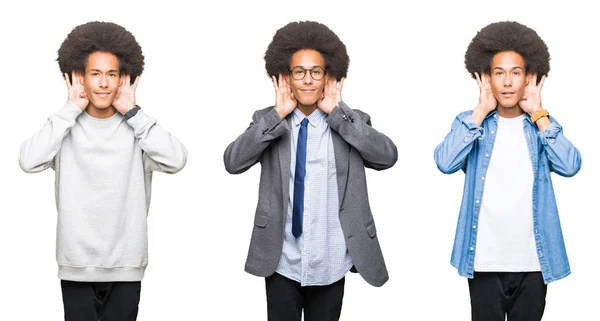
[308, 71]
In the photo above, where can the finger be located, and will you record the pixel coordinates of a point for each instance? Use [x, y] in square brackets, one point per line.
[486, 80]
[79, 78]
[532, 80]
[286, 83]
[126, 81]
[274, 83]
[123, 82]
[341, 84]
[67, 81]
[281, 84]
[292, 96]
[326, 88]
[135, 83]
[541, 82]
[478, 79]
[82, 94]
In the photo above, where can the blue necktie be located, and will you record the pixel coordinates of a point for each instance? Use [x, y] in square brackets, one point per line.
[298, 208]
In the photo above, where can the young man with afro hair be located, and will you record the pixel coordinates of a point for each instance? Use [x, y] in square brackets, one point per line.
[103, 149]
[508, 240]
[313, 222]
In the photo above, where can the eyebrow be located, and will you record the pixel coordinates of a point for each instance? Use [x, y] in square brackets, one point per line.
[112, 70]
[513, 68]
[310, 68]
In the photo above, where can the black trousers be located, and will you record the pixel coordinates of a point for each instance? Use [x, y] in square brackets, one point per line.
[286, 299]
[520, 296]
[104, 301]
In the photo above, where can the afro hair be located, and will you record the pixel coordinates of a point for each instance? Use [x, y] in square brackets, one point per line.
[507, 36]
[296, 36]
[97, 36]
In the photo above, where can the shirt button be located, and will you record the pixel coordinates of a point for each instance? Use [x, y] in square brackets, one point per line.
[471, 249]
[487, 155]
[492, 132]
[477, 201]
[474, 227]
[495, 116]
[482, 178]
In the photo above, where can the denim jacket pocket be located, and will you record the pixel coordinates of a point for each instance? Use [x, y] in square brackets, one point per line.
[261, 219]
[371, 229]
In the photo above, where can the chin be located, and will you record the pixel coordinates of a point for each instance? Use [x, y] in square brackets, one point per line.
[103, 105]
[507, 103]
[307, 102]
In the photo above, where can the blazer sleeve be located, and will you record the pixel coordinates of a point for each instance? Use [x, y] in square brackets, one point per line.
[245, 150]
[377, 150]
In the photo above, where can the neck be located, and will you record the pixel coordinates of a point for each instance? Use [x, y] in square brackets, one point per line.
[100, 113]
[509, 112]
[307, 109]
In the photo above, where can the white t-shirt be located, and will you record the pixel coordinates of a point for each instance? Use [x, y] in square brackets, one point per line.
[505, 240]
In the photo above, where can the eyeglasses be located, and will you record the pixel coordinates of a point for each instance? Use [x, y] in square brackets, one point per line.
[317, 73]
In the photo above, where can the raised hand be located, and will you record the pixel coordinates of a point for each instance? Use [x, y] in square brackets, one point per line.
[487, 101]
[532, 98]
[125, 97]
[285, 102]
[76, 94]
[332, 94]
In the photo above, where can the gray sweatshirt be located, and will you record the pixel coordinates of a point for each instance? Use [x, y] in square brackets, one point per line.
[103, 180]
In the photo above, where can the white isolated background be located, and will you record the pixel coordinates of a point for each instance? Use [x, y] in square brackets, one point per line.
[203, 79]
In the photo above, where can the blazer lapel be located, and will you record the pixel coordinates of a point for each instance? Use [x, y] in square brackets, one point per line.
[341, 150]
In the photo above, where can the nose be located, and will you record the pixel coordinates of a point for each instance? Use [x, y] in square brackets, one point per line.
[104, 81]
[307, 78]
[508, 81]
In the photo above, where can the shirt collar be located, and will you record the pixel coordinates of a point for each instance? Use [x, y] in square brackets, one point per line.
[314, 119]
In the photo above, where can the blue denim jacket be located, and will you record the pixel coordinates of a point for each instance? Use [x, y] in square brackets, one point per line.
[469, 148]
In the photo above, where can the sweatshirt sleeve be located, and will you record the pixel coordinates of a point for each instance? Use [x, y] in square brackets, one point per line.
[162, 151]
[38, 152]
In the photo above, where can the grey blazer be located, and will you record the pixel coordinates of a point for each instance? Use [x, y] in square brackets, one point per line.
[356, 145]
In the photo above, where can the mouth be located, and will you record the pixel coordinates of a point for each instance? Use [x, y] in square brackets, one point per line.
[102, 94]
[308, 91]
[508, 93]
